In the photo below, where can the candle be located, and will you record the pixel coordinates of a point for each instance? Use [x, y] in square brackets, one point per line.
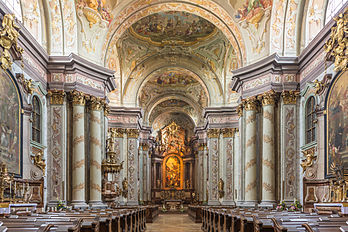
[10, 188]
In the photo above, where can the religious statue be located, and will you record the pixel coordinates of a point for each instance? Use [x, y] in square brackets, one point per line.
[221, 188]
[124, 188]
[39, 161]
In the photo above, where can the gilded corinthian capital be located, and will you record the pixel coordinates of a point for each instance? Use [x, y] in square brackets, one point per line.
[268, 98]
[132, 133]
[213, 133]
[77, 98]
[290, 97]
[250, 103]
[96, 103]
[240, 110]
[228, 132]
[56, 97]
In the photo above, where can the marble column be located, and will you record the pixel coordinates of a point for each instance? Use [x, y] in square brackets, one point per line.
[213, 179]
[290, 166]
[240, 158]
[251, 197]
[227, 175]
[95, 144]
[268, 156]
[56, 161]
[78, 147]
[236, 167]
[132, 166]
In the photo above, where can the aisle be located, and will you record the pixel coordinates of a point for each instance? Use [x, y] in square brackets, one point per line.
[173, 223]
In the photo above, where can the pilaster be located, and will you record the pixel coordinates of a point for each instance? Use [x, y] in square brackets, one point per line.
[213, 145]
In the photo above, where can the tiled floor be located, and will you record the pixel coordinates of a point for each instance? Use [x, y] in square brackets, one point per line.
[173, 223]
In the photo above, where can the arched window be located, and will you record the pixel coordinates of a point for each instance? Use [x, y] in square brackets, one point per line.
[15, 7]
[310, 120]
[36, 124]
[333, 6]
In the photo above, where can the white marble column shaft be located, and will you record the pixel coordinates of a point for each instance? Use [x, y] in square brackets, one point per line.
[250, 153]
[95, 153]
[78, 147]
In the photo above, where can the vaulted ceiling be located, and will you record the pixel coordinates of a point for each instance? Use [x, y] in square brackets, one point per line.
[173, 56]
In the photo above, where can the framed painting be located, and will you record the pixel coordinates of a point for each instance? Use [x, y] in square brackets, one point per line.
[173, 172]
[10, 124]
[336, 129]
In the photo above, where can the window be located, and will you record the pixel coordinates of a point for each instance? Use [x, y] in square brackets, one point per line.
[36, 124]
[310, 120]
[15, 7]
[333, 6]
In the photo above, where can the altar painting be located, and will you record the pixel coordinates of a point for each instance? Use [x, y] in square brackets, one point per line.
[10, 124]
[337, 127]
[173, 172]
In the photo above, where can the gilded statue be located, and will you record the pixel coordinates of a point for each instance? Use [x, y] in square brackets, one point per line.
[124, 188]
[309, 158]
[39, 162]
[8, 38]
[221, 185]
[337, 44]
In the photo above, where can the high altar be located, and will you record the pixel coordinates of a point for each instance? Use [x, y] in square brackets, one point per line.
[172, 167]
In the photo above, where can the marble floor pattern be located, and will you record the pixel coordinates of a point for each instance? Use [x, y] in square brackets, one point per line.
[173, 223]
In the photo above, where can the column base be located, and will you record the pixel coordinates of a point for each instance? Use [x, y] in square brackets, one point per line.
[132, 203]
[268, 204]
[97, 205]
[214, 202]
[228, 202]
[250, 204]
[239, 203]
[79, 205]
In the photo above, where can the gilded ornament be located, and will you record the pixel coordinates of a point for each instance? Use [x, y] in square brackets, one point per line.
[240, 110]
[28, 86]
[132, 133]
[268, 98]
[213, 133]
[320, 86]
[250, 103]
[8, 39]
[95, 103]
[228, 132]
[56, 97]
[336, 46]
[39, 161]
[78, 98]
[290, 97]
[117, 132]
[106, 109]
[309, 158]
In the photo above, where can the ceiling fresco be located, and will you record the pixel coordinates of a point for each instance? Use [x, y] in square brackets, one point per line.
[173, 78]
[173, 27]
[155, 89]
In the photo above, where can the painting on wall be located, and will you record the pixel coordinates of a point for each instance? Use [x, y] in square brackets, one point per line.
[10, 124]
[337, 127]
[172, 26]
[173, 172]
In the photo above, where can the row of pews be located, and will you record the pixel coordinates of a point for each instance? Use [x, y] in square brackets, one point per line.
[101, 220]
[219, 219]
